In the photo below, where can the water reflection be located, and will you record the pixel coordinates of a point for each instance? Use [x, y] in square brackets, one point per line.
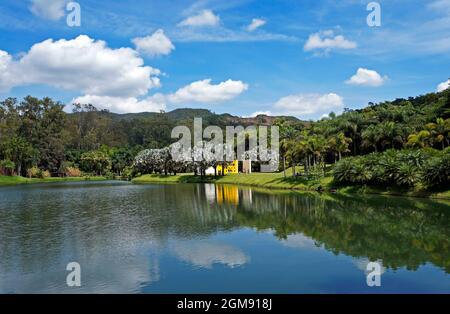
[206, 253]
[133, 238]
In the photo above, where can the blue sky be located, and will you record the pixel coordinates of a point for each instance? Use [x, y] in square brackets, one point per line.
[302, 57]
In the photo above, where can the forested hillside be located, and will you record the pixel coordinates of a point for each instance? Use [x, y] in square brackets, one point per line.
[36, 134]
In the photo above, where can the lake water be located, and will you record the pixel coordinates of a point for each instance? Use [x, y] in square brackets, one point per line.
[204, 238]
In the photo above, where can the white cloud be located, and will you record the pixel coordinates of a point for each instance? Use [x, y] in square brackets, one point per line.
[153, 45]
[117, 76]
[86, 65]
[309, 105]
[48, 9]
[367, 77]
[257, 113]
[6, 78]
[108, 78]
[256, 23]
[122, 104]
[204, 18]
[205, 92]
[441, 87]
[327, 40]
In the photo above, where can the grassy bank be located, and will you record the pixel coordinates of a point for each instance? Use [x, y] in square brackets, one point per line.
[6, 180]
[278, 181]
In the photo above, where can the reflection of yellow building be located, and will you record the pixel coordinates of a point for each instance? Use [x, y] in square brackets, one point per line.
[228, 194]
[231, 168]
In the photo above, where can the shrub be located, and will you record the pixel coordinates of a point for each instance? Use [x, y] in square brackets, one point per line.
[72, 172]
[109, 175]
[45, 174]
[343, 170]
[7, 167]
[436, 171]
[35, 172]
[128, 173]
[406, 168]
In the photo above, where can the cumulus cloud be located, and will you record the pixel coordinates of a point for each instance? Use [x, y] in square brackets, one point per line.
[205, 92]
[204, 18]
[309, 105]
[256, 23]
[153, 45]
[7, 80]
[367, 77]
[86, 66]
[123, 104]
[89, 66]
[441, 87]
[48, 9]
[327, 40]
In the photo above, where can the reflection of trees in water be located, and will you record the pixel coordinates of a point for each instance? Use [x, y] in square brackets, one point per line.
[39, 226]
[401, 232]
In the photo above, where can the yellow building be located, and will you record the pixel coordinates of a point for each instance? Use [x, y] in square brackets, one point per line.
[232, 168]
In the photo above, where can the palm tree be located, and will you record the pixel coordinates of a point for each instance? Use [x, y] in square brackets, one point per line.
[287, 135]
[439, 131]
[352, 122]
[318, 145]
[419, 140]
[341, 144]
[371, 137]
[284, 147]
[388, 132]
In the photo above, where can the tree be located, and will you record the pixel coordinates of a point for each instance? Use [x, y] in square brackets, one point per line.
[97, 162]
[287, 140]
[439, 131]
[371, 137]
[419, 140]
[19, 151]
[339, 144]
[7, 167]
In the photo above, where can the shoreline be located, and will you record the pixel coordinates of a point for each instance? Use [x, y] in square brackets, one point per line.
[264, 181]
[289, 183]
[18, 180]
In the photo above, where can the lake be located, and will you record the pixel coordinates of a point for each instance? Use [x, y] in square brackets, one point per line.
[208, 238]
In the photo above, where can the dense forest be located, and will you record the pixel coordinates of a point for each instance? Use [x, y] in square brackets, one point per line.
[38, 138]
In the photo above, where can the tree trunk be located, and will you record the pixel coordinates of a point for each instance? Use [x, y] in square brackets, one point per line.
[284, 166]
[340, 156]
[293, 167]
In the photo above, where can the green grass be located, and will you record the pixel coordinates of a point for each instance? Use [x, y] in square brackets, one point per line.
[265, 180]
[278, 181]
[6, 180]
